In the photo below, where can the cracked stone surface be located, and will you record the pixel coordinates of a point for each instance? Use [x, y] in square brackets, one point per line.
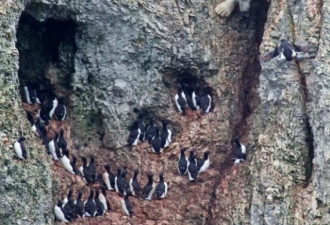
[126, 58]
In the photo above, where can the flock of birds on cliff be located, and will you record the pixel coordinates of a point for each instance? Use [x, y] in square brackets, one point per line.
[97, 203]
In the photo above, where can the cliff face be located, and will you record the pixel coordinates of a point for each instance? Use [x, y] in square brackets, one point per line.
[115, 60]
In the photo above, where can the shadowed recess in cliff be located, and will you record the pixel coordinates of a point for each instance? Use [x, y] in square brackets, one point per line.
[248, 100]
[46, 51]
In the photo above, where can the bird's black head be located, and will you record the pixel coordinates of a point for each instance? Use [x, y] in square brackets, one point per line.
[70, 193]
[92, 158]
[206, 154]
[150, 176]
[165, 122]
[80, 193]
[183, 150]
[61, 131]
[84, 159]
[21, 139]
[161, 176]
[96, 193]
[136, 172]
[91, 193]
[107, 167]
[59, 203]
[118, 171]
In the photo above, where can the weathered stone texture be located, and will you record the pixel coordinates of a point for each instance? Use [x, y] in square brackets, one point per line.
[128, 56]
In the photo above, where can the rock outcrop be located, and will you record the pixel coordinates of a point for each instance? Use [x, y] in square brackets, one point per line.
[116, 60]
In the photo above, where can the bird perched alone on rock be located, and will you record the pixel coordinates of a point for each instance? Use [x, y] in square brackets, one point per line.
[285, 51]
[239, 152]
[161, 188]
[166, 135]
[148, 190]
[151, 130]
[60, 111]
[192, 168]
[134, 134]
[20, 148]
[134, 184]
[180, 100]
[127, 205]
[183, 162]
[90, 206]
[156, 142]
[204, 163]
[205, 99]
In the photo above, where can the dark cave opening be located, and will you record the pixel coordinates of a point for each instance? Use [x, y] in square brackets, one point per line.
[46, 55]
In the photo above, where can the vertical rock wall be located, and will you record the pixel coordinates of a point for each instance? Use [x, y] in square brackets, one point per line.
[129, 55]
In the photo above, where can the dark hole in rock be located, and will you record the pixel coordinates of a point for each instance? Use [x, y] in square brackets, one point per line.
[46, 55]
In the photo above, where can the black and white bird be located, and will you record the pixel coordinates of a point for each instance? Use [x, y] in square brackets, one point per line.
[31, 120]
[205, 100]
[92, 169]
[119, 184]
[134, 134]
[127, 205]
[70, 206]
[125, 182]
[156, 142]
[192, 168]
[60, 213]
[61, 142]
[166, 135]
[161, 188]
[142, 127]
[27, 95]
[134, 184]
[180, 100]
[51, 106]
[60, 111]
[20, 149]
[80, 207]
[41, 129]
[84, 166]
[52, 147]
[34, 97]
[108, 178]
[65, 160]
[148, 190]
[90, 206]
[151, 130]
[204, 163]
[188, 90]
[69, 196]
[239, 152]
[74, 166]
[103, 199]
[183, 162]
[286, 51]
[100, 210]
[195, 96]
